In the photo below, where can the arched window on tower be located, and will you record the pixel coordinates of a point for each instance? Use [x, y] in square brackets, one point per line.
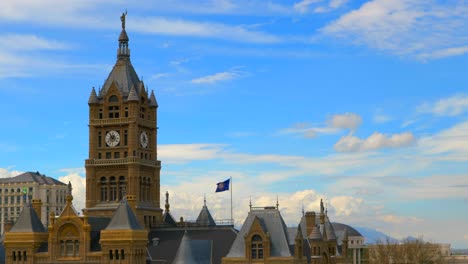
[256, 247]
[148, 189]
[103, 183]
[113, 189]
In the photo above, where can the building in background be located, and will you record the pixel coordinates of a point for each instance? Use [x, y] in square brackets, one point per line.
[16, 192]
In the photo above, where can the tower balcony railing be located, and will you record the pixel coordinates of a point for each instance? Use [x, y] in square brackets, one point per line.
[122, 161]
[119, 121]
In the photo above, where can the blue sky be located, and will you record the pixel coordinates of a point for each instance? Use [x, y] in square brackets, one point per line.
[361, 103]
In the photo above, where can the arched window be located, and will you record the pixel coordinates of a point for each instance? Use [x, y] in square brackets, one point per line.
[147, 187]
[69, 243]
[256, 247]
[113, 99]
[113, 189]
[103, 184]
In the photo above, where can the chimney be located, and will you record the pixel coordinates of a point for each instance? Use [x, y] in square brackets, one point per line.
[310, 222]
[37, 206]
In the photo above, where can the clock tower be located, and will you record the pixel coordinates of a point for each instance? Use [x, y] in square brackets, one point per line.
[123, 161]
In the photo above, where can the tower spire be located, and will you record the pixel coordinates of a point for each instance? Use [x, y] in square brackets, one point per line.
[123, 51]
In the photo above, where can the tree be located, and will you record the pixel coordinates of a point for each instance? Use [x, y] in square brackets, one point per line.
[414, 251]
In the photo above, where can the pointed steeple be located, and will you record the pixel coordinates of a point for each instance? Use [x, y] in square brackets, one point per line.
[28, 221]
[152, 100]
[123, 74]
[132, 95]
[315, 235]
[205, 218]
[93, 99]
[123, 51]
[124, 218]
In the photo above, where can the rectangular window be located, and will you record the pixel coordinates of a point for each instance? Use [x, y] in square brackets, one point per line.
[108, 155]
[125, 154]
[100, 113]
[99, 139]
[12, 199]
[125, 137]
[99, 155]
[117, 155]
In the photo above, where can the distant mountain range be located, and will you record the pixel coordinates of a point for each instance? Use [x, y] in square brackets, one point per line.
[372, 235]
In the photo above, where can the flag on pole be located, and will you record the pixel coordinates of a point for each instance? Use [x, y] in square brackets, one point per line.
[222, 186]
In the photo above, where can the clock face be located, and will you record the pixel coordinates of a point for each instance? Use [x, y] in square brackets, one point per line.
[144, 139]
[112, 138]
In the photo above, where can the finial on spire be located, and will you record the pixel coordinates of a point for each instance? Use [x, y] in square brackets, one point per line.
[167, 201]
[69, 188]
[250, 203]
[122, 18]
[303, 213]
[204, 199]
[321, 206]
[277, 203]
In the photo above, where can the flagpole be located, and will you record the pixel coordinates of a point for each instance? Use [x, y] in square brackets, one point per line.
[231, 202]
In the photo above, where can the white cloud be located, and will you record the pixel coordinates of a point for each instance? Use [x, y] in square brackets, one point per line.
[345, 121]
[28, 42]
[303, 6]
[421, 29]
[183, 153]
[451, 142]
[217, 77]
[78, 183]
[180, 27]
[345, 205]
[375, 141]
[451, 106]
[7, 173]
[334, 124]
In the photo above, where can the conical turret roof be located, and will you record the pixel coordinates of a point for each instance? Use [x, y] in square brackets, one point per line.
[205, 218]
[132, 95]
[315, 235]
[93, 99]
[152, 100]
[124, 218]
[28, 221]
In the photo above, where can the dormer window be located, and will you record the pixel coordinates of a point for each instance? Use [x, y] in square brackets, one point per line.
[257, 247]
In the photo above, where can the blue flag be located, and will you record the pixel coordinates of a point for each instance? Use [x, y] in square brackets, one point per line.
[222, 186]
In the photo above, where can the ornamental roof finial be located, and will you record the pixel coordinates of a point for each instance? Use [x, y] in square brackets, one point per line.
[122, 18]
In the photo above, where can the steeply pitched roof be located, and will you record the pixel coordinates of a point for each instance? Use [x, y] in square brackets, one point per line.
[32, 177]
[193, 251]
[170, 239]
[168, 219]
[330, 231]
[152, 100]
[93, 99]
[315, 235]
[97, 224]
[205, 218]
[273, 223]
[28, 221]
[124, 218]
